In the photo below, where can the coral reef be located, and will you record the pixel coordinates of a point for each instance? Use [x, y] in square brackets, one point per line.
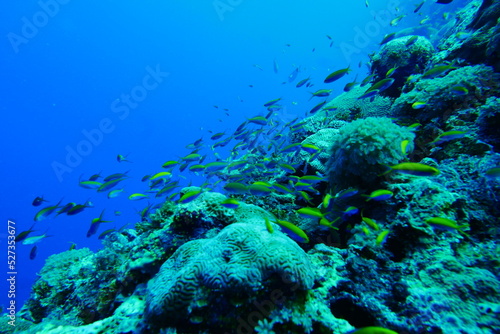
[197, 266]
[481, 47]
[488, 121]
[440, 100]
[73, 277]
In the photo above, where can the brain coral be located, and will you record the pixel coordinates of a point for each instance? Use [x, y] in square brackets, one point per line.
[361, 149]
[242, 259]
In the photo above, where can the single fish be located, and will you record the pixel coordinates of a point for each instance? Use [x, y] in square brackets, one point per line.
[381, 85]
[45, 212]
[169, 164]
[321, 93]
[293, 231]
[310, 148]
[372, 330]
[293, 75]
[395, 21]
[379, 195]
[413, 168]
[190, 196]
[259, 120]
[269, 227]
[446, 224]
[462, 35]
[90, 184]
[122, 158]
[38, 201]
[35, 239]
[95, 177]
[391, 72]
[493, 172]
[230, 203]
[109, 185]
[160, 175]
[137, 197]
[302, 82]
[419, 105]
[259, 189]
[267, 104]
[418, 6]
[33, 252]
[114, 193]
[460, 90]
[437, 70]
[388, 37]
[411, 40]
[347, 193]
[23, 235]
[334, 76]
[350, 85]
[447, 136]
[404, 146]
[310, 213]
[258, 66]
[370, 222]
[105, 233]
[381, 237]
[191, 157]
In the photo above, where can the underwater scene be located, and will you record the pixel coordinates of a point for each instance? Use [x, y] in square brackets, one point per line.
[235, 166]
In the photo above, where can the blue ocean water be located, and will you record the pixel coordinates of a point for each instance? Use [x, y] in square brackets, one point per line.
[86, 81]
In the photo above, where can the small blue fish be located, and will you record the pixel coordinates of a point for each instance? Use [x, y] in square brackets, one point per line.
[293, 75]
[388, 37]
[230, 203]
[379, 195]
[347, 193]
[33, 252]
[460, 90]
[38, 201]
[371, 93]
[190, 196]
[317, 107]
[447, 136]
[114, 193]
[122, 158]
[35, 239]
[302, 82]
[350, 211]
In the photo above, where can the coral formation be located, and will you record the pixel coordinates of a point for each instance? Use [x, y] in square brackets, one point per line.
[362, 148]
[322, 139]
[241, 261]
[407, 59]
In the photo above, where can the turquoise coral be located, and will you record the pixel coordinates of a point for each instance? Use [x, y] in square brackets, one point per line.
[362, 148]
